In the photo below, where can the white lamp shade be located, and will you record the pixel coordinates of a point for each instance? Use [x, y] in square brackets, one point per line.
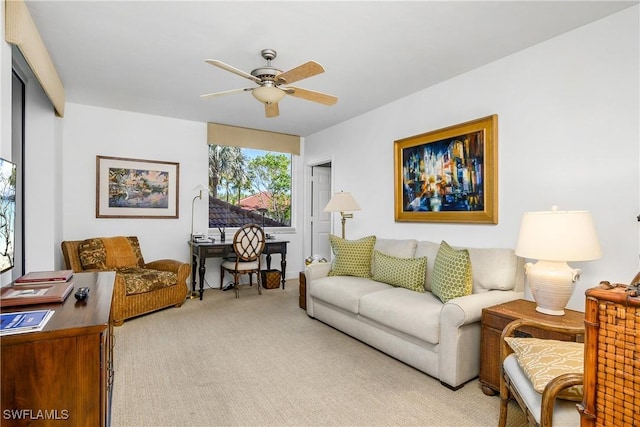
[342, 202]
[558, 236]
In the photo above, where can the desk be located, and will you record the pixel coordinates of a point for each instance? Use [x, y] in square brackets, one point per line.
[202, 251]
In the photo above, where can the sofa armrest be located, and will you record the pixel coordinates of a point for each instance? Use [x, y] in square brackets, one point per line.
[468, 309]
[313, 272]
[459, 359]
[164, 265]
[182, 269]
[317, 270]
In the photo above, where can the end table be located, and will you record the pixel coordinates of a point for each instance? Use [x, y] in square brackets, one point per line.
[495, 318]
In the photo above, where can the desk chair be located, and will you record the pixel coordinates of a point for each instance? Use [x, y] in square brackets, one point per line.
[542, 405]
[248, 244]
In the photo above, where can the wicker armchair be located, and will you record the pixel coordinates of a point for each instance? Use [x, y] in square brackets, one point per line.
[140, 287]
[545, 407]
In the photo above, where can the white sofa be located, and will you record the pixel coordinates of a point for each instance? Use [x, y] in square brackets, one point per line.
[439, 339]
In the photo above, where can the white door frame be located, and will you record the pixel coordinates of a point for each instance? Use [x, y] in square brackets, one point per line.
[308, 199]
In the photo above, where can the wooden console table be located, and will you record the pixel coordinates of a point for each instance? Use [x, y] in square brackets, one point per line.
[202, 251]
[494, 320]
[62, 375]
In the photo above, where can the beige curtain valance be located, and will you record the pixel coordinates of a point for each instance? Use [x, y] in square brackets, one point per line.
[234, 136]
[21, 31]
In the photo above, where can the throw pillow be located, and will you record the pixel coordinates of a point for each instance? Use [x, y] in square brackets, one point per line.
[543, 360]
[400, 272]
[92, 254]
[351, 257]
[451, 276]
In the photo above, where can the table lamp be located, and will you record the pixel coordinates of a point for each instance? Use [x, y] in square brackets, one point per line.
[553, 238]
[342, 202]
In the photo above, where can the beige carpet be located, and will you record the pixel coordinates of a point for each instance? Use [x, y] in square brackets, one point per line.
[260, 361]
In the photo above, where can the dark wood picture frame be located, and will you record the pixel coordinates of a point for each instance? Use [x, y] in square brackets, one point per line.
[449, 174]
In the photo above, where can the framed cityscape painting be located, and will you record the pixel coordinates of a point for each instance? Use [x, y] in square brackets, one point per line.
[133, 188]
[449, 174]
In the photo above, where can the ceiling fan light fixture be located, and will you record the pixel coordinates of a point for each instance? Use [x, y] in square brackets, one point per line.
[268, 94]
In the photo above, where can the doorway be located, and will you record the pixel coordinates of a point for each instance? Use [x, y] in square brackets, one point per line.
[319, 221]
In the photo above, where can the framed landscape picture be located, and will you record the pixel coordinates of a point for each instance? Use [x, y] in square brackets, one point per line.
[134, 188]
[449, 174]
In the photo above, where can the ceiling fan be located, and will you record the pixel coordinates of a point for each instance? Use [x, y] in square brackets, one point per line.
[270, 82]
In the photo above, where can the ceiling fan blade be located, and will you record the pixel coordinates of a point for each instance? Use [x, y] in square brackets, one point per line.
[234, 70]
[310, 95]
[225, 92]
[272, 110]
[303, 71]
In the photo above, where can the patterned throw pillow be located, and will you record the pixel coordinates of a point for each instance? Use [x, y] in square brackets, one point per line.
[351, 257]
[451, 276]
[543, 360]
[92, 254]
[401, 272]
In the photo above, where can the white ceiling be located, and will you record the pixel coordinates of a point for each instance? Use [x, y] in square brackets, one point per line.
[148, 56]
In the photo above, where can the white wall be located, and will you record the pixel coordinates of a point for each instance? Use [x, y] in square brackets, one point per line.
[91, 131]
[568, 136]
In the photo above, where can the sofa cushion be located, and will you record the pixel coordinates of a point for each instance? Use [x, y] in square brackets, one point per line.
[493, 269]
[412, 313]
[543, 360]
[110, 253]
[403, 272]
[429, 250]
[402, 248]
[139, 280]
[351, 257]
[344, 291]
[452, 276]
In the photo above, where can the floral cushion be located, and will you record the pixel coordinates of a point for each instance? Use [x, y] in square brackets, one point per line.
[139, 280]
[92, 254]
[108, 253]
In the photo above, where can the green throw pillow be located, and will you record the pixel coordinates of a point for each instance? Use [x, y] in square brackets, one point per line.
[400, 272]
[451, 276]
[351, 257]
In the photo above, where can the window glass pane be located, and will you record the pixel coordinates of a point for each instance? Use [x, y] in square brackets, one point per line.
[248, 186]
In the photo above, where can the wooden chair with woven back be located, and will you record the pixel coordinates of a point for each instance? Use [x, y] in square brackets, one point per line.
[543, 376]
[248, 244]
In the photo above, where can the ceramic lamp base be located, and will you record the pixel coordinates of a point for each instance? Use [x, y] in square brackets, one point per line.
[552, 284]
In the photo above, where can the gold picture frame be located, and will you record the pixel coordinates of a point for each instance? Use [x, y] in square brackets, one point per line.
[134, 188]
[449, 174]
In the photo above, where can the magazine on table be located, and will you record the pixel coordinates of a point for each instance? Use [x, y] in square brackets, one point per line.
[24, 321]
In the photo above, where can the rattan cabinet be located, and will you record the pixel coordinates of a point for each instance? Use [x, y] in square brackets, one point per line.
[612, 358]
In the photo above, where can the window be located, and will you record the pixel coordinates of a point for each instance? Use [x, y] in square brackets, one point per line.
[248, 185]
[250, 176]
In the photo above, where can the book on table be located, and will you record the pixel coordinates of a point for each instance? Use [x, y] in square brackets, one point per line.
[24, 321]
[54, 276]
[34, 293]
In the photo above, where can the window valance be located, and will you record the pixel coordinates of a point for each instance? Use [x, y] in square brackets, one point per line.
[21, 31]
[218, 134]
